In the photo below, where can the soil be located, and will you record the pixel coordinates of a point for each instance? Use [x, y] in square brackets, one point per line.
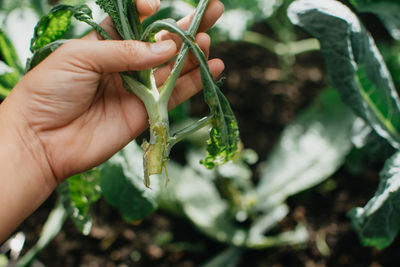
[265, 97]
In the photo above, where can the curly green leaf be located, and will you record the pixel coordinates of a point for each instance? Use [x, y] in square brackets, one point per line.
[52, 26]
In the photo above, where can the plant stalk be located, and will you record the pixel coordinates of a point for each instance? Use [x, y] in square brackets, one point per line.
[281, 49]
[180, 135]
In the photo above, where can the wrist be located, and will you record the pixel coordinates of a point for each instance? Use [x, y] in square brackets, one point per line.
[25, 174]
[24, 147]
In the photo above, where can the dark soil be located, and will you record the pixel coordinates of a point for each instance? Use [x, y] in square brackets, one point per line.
[265, 99]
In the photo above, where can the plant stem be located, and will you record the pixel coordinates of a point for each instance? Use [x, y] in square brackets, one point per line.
[181, 134]
[156, 151]
[281, 49]
[166, 89]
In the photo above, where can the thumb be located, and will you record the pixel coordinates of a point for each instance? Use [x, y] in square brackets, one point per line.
[117, 56]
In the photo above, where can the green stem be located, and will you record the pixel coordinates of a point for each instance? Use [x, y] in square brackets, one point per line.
[181, 134]
[167, 88]
[136, 87]
[156, 151]
[281, 49]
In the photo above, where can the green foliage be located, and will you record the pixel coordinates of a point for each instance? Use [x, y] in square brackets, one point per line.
[10, 70]
[121, 182]
[124, 16]
[355, 66]
[56, 23]
[314, 145]
[77, 194]
[224, 135]
[52, 26]
[388, 12]
[378, 222]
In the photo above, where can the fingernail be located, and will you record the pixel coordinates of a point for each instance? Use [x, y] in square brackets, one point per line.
[152, 4]
[161, 47]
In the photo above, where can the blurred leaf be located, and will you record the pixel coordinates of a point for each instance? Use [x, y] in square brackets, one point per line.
[8, 54]
[311, 149]
[10, 70]
[388, 11]
[355, 66]
[196, 197]
[230, 257]
[121, 181]
[378, 222]
[77, 194]
[391, 55]
[50, 229]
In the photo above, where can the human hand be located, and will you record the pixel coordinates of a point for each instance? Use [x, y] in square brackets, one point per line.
[73, 106]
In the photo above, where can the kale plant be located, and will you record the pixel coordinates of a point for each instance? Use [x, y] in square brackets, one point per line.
[358, 71]
[224, 134]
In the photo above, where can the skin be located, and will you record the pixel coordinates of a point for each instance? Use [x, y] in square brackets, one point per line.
[71, 112]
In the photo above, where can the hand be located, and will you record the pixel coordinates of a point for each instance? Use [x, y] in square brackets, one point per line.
[71, 112]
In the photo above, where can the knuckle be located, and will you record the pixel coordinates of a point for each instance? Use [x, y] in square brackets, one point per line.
[128, 50]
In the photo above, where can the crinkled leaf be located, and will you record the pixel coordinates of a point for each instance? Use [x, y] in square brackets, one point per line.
[121, 181]
[124, 16]
[224, 134]
[84, 13]
[77, 194]
[355, 66]
[378, 222]
[52, 26]
[311, 149]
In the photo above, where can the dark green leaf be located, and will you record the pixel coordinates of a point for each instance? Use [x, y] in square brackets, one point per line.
[52, 26]
[311, 149]
[355, 66]
[392, 59]
[121, 181]
[388, 12]
[42, 53]
[124, 16]
[378, 222]
[77, 195]
[84, 13]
